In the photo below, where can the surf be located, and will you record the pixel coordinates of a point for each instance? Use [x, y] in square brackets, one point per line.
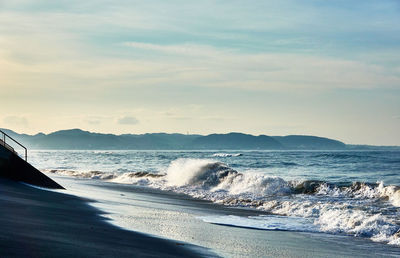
[361, 209]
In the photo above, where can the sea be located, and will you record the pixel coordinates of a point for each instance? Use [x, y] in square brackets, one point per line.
[349, 193]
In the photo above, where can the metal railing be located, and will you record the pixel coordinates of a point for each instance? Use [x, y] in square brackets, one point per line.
[3, 142]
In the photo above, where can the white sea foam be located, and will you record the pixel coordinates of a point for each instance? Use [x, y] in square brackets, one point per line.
[345, 217]
[82, 174]
[225, 155]
[254, 186]
[196, 171]
[139, 178]
[363, 191]
[350, 222]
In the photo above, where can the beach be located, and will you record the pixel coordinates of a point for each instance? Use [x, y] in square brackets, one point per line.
[173, 216]
[41, 223]
[133, 203]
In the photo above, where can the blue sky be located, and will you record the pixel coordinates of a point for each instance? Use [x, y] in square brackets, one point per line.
[327, 68]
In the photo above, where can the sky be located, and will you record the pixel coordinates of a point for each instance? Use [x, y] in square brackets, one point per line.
[326, 68]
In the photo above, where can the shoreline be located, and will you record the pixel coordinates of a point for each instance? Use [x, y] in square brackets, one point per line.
[178, 216]
[40, 223]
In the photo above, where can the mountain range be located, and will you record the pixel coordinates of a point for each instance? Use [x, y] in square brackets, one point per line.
[76, 139]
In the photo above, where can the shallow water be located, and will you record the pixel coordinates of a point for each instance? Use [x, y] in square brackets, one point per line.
[354, 193]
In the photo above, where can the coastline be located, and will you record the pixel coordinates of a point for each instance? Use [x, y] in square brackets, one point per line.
[40, 223]
[178, 216]
[96, 218]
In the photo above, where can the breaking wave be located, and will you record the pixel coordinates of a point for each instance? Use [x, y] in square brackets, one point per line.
[82, 174]
[125, 178]
[353, 208]
[225, 155]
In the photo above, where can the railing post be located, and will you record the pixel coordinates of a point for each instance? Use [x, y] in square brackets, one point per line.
[8, 146]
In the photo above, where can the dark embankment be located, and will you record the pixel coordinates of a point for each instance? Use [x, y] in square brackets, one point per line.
[39, 223]
[15, 168]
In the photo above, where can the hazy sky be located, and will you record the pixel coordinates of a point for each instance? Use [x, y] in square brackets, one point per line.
[327, 68]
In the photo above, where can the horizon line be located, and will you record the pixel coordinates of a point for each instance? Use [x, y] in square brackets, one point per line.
[105, 133]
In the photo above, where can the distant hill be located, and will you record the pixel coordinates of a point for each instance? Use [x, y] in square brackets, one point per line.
[76, 139]
[309, 142]
[236, 141]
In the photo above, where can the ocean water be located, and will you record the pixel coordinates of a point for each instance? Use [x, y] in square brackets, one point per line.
[354, 193]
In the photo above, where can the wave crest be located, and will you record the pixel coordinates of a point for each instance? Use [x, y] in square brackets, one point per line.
[82, 174]
[226, 155]
[206, 173]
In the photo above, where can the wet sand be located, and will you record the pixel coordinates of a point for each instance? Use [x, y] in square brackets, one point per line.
[40, 223]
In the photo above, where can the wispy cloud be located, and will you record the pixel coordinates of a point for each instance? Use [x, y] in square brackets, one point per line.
[128, 120]
[183, 49]
[215, 67]
[16, 121]
[201, 66]
[94, 120]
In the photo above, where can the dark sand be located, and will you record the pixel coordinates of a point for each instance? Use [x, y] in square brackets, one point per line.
[39, 223]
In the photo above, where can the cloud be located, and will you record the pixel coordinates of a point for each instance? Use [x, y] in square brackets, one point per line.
[62, 58]
[127, 120]
[93, 120]
[178, 49]
[19, 121]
